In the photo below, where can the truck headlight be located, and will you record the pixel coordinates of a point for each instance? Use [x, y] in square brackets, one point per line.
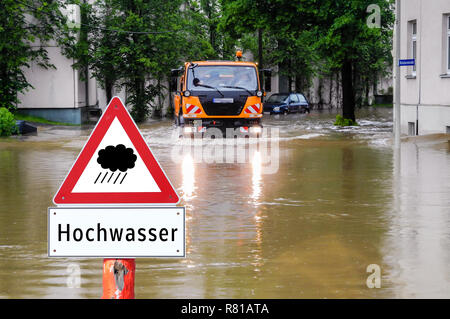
[256, 129]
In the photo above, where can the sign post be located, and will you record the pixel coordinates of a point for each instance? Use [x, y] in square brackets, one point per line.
[116, 203]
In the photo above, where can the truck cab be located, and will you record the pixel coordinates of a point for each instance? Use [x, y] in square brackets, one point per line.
[221, 94]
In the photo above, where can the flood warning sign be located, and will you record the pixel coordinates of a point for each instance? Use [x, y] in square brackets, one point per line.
[116, 166]
[127, 232]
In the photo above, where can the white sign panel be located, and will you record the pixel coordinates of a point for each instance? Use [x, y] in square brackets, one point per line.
[135, 178]
[116, 232]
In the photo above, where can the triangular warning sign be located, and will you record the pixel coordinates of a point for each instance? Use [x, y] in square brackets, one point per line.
[116, 166]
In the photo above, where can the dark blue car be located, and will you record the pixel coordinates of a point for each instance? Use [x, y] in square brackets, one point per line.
[284, 103]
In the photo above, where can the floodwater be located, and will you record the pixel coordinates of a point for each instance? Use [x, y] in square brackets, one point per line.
[338, 201]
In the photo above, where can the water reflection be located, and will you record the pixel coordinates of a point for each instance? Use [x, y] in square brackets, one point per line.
[188, 172]
[256, 176]
[418, 246]
[256, 253]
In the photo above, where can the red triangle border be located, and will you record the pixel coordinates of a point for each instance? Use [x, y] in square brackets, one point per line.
[65, 196]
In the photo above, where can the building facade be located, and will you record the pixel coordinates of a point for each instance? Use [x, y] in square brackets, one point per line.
[61, 94]
[425, 87]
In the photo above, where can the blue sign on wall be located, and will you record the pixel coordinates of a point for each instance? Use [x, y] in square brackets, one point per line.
[407, 62]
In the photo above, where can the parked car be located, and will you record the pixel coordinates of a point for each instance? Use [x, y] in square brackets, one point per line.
[284, 103]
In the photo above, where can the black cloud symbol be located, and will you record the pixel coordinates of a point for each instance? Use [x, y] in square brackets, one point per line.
[117, 158]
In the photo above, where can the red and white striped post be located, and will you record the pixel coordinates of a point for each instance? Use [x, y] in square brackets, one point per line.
[118, 278]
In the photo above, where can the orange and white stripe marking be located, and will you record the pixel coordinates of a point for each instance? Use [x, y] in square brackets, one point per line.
[192, 109]
[253, 109]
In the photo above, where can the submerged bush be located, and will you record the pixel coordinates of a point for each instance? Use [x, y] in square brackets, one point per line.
[7, 122]
[341, 121]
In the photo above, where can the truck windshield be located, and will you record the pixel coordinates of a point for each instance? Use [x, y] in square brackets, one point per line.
[222, 77]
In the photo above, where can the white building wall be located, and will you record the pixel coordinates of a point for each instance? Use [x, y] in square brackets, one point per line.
[425, 97]
[53, 88]
[58, 93]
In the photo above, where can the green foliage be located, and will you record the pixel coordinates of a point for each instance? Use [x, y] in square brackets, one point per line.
[25, 26]
[287, 39]
[345, 39]
[317, 37]
[133, 45]
[7, 122]
[341, 121]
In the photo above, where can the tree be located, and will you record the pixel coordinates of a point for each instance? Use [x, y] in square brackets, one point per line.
[134, 44]
[96, 46]
[25, 27]
[202, 36]
[319, 36]
[287, 39]
[130, 44]
[346, 41]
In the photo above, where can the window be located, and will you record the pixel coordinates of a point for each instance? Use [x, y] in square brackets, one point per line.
[448, 44]
[411, 128]
[294, 98]
[302, 98]
[413, 26]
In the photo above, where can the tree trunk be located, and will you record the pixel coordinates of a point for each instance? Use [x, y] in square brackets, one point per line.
[367, 93]
[338, 89]
[348, 96]
[330, 92]
[375, 84]
[320, 103]
[108, 89]
[290, 76]
[260, 55]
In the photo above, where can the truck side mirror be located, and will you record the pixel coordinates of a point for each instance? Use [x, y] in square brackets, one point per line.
[176, 72]
[173, 84]
[267, 79]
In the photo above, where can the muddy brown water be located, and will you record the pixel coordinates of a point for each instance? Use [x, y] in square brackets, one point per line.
[341, 200]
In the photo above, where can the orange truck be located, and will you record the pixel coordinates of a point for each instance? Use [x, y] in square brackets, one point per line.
[220, 94]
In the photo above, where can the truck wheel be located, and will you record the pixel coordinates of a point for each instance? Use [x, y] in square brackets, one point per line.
[180, 119]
